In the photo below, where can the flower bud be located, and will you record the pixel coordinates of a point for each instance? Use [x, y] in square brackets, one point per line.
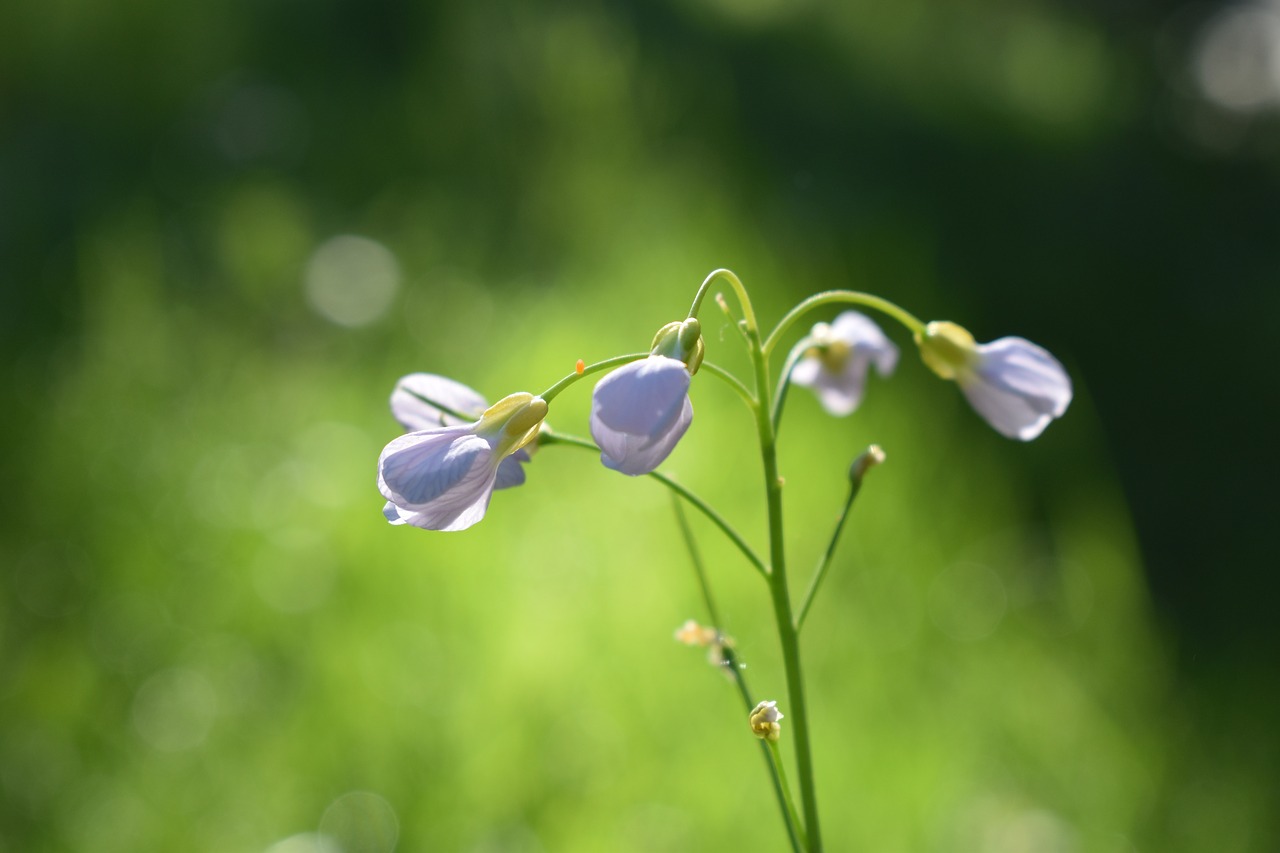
[867, 459]
[681, 341]
[764, 721]
[946, 348]
[515, 418]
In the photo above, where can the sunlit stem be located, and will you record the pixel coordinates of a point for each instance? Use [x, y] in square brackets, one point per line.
[855, 484]
[741, 292]
[731, 664]
[850, 297]
[733, 382]
[781, 596]
[784, 381]
[549, 437]
[776, 755]
[616, 361]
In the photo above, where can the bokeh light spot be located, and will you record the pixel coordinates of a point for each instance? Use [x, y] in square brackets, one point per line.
[174, 710]
[352, 280]
[967, 601]
[305, 842]
[1237, 60]
[361, 822]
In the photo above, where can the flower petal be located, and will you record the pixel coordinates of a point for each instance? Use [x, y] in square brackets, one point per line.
[416, 414]
[438, 479]
[642, 398]
[511, 470]
[640, 454]
[1017, 386]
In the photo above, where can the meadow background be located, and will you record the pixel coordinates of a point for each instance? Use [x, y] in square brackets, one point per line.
[227, 228]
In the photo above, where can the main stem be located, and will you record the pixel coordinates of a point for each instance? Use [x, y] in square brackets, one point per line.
[787, 633]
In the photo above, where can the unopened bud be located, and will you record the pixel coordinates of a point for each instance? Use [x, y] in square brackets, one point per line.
[867, 459]
[764, 721]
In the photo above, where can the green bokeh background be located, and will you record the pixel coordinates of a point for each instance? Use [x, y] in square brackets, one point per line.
[211, 640]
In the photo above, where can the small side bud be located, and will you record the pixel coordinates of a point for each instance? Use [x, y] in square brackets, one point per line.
[867, 459]
[681, 341]
[580, 367]
[764, 721]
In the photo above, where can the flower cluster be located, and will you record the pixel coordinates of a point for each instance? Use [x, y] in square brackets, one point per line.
[441, 475]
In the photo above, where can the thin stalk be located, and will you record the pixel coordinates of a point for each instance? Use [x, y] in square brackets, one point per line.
[784, 381]
[549, 437]
[748, 315]
[821, 571]
[867, 300]
[776, 755]
[616, 361]
[782, 793]
[787, 634]
[732, 381]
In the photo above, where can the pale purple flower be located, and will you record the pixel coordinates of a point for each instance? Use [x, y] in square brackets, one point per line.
[443, 478]
[835, 365]
[1015, 385]
[414, 413]
[639, 412]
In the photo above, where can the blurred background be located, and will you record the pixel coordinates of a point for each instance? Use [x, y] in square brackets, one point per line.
[227, 228]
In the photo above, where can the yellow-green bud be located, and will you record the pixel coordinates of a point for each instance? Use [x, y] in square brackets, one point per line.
[517, 417]
[681, 341]
[764, 721]
[946, 348]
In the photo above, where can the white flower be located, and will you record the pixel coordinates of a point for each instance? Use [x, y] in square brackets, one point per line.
[415, 413]
[639, 412]
[1017, 386]
[764, 721]
[836, 365]
[442, 478]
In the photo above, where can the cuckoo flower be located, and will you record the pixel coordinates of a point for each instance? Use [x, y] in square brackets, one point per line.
[835, 365]
[764, 721]
[639, 412]
[1017, 386]
[409, 406]
[442, 478]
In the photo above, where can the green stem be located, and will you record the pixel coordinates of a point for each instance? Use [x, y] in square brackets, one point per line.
[854, 297]
[784, 381]
[781, 772]
[616, 361]
[787, 634]
[747, 313]
[782, 793]
[733, 382]
[549, 437]
[854, 485]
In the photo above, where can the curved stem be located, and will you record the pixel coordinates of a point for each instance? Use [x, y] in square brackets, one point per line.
[617, 361]
[548, 436]
[731, 666]
[854, 297]
[739, 290]
[734, 382]
[784, 381]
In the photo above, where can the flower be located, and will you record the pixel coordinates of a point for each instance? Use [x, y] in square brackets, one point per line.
[1017, 386]
[442, 478]
[764, 721]
[409, 406]
[639, 412]
[835, 365]
[716, 644]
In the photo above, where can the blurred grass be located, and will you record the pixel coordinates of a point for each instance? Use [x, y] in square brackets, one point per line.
[209, 637]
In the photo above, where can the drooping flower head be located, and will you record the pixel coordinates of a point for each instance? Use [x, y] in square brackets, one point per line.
[411, 405]
[442, 478]
[764, 721]
[835, 365]
[641, 410]
[1015, 385]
